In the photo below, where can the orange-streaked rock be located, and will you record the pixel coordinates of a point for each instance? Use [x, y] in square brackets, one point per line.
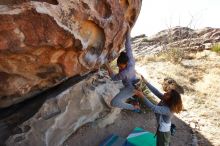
[42, 43]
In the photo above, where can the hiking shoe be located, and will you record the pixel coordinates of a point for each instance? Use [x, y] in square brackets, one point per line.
[136, 110]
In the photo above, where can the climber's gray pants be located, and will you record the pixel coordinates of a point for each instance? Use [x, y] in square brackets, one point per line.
[120, 99]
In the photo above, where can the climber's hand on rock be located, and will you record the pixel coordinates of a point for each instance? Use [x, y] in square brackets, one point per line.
[96, 69]
[129, 29]
[108, 68]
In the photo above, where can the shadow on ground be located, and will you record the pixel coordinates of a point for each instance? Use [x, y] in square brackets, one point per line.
[91, 135]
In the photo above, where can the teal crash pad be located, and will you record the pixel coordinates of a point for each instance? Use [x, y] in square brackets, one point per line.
[140, 137]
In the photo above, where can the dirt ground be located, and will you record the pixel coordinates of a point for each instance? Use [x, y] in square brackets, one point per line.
[92, 135]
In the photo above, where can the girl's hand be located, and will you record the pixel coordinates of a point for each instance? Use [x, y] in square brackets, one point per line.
[139, 93]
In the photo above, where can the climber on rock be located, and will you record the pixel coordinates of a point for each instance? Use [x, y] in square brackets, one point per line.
[127, 74]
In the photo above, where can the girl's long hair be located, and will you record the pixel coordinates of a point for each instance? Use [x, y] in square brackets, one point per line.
[174, 102]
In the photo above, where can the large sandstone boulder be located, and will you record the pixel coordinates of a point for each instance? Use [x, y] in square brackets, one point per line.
[44, 42]
[63, 114]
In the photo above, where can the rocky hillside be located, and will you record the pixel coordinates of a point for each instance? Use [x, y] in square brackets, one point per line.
[178, 37]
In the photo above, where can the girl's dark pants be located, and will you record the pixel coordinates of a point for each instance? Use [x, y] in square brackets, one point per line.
[163, 138]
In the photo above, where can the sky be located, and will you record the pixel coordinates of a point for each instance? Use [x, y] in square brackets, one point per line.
[157, 15]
